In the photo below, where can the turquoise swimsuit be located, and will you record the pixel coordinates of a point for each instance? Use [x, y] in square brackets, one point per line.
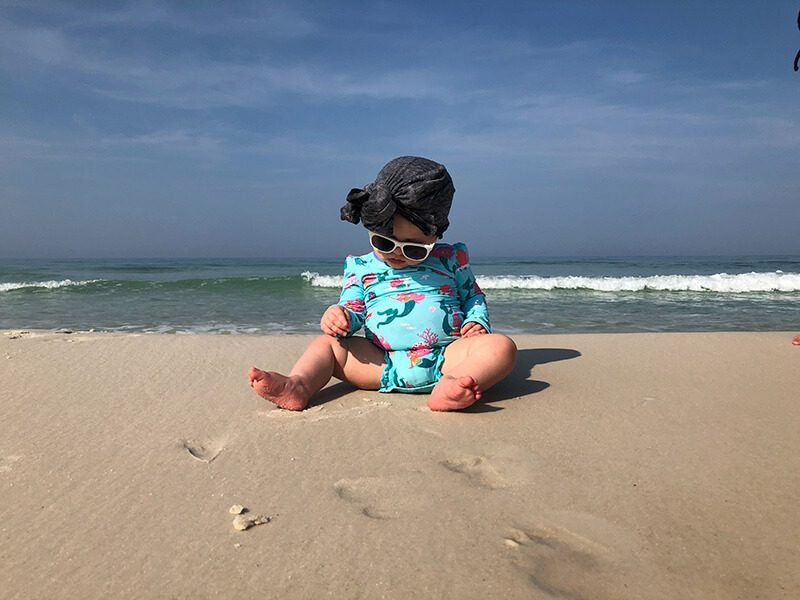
[413, 313]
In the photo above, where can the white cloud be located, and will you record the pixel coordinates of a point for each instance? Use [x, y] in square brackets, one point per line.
[201, 83]
[588, 118]
[276, 19]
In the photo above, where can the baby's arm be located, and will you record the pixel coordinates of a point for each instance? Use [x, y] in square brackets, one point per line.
[473, 301]
[351, 307]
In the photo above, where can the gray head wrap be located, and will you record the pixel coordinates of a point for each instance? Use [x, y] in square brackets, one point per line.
[416, 188]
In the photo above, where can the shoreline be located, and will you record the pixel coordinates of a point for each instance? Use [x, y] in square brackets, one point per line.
[529, 297]
[67, 331]
[619, 465]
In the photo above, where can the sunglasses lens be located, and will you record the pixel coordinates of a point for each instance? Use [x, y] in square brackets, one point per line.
[381, 243]
[415, 252]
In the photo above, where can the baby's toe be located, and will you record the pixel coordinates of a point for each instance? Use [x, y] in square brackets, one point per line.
[466, 381]
[257, 374]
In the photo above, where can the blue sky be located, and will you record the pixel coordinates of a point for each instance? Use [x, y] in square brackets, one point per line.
[144, 129]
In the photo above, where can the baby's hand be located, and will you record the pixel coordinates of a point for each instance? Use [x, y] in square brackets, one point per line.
[472, 328]
[335, 321]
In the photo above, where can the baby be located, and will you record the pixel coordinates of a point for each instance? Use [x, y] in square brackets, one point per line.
[424, 317]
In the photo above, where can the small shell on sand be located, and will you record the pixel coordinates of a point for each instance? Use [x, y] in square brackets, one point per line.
[242, 522]
[236, 509]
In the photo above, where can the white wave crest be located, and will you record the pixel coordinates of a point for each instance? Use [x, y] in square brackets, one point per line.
[48, 285]
[722, 283]
[719, 282]
[326, 281]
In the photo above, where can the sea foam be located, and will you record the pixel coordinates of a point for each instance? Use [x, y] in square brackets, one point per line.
[48, 285]
[327, 281]
[722, 283]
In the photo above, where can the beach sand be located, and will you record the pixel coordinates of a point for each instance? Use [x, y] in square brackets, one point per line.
[607, 466]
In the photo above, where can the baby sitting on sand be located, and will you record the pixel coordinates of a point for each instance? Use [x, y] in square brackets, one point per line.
[424, 317]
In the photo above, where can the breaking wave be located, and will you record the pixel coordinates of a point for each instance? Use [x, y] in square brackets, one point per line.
[721, 283]
[44, 285]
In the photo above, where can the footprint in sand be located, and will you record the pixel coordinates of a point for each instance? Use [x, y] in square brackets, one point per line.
[477, 470]
[204, 451]
[582, 557]
[368, 495]
[7, 463]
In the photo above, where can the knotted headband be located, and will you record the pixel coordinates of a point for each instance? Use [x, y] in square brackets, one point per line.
[417, 188]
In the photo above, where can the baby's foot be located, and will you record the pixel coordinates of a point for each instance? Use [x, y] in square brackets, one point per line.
[286, 392]
[454, 393]
[796, 340]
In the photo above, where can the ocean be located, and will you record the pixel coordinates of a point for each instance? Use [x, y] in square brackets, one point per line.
[287, 296]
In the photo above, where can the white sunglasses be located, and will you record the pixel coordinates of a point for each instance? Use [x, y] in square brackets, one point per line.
[411, 250]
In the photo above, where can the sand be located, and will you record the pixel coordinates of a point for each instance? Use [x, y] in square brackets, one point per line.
[607, 466]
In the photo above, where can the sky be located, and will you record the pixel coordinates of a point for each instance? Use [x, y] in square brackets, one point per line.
[236, 129]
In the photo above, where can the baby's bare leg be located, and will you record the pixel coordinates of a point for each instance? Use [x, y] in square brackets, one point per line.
[471, 366]
[355, 360]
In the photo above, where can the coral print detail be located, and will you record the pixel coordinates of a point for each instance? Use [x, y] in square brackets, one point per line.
[429, 338]
[368, 279]
[442, 252]
[356, 305]
[396, 283]
[446, 290]
[421, 349]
